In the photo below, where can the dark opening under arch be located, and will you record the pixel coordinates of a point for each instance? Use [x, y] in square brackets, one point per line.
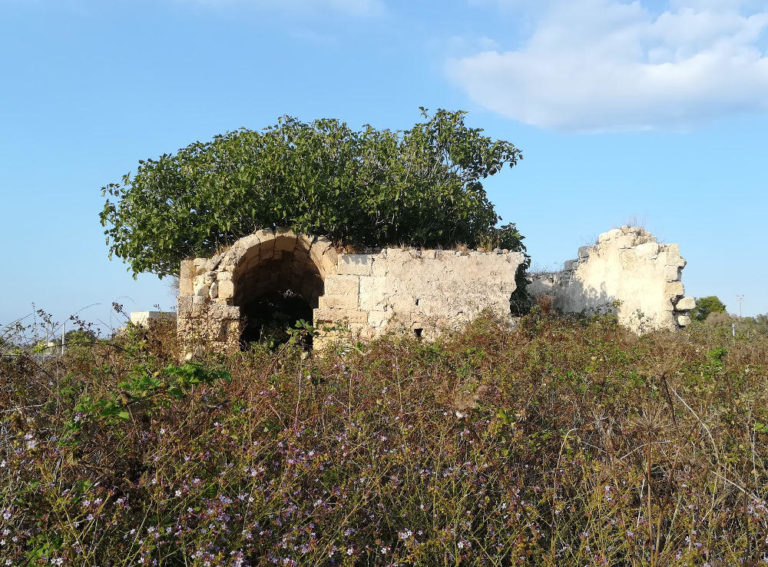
[276, 284]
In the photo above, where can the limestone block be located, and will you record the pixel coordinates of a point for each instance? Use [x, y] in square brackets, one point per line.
[338, 301]
[373, 292]
[222, 311]
[610, 235]
[647, 249]
[323, 316]
[673, 256]
[198, 306]
[328, 262]
[304, 243]
[145, 318]
[685, 304]
[285, 240]
[380, 266]
[342, 285]
[674, 289]
[331, 315]
[184, 306]
[224, 276]
[355, 264]
[402, 303]
[213, 291]
[265, 234]
[200, 288]
[399, 256]
[267, 247]
[378, 319]
[672, 273]
[186, 275]
[584, 251]
[250, 241]
[683, 320]
[318, 248]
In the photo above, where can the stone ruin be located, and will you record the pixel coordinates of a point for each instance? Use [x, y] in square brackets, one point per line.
[223, 300]
[362, 295]
[626, 273]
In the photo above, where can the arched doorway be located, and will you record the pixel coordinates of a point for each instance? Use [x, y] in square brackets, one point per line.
[276, 284]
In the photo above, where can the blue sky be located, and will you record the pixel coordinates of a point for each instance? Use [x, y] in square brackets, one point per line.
[655, 112]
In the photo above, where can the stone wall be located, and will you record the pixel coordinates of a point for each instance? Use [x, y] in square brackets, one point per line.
[627, 272]
[422, 291]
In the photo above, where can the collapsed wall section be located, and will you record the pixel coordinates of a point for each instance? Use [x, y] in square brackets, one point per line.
[627, 273]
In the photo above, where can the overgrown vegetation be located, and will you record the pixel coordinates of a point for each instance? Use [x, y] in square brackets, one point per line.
[562, 442]
[421, 187]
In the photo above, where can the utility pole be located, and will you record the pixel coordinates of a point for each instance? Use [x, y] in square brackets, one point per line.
[740, 298]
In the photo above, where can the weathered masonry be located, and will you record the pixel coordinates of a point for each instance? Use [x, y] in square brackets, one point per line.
[424, 292]
[627, 273]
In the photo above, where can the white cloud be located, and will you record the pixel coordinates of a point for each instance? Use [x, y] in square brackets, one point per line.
[350, 7]
[596, 65]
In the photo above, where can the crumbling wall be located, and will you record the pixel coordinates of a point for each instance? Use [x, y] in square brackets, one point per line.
[421, 291]
[627, 272]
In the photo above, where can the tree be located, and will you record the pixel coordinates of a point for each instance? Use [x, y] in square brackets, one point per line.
[419, 187]
[705, 306]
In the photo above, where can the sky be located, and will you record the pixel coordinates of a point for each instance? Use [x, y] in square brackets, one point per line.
[645, 112]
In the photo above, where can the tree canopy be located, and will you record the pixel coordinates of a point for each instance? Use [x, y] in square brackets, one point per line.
[705, 306]
[370, 187]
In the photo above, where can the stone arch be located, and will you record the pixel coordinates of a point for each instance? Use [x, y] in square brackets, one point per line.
[275, 270]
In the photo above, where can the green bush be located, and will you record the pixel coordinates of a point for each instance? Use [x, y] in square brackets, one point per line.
[371, 187]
